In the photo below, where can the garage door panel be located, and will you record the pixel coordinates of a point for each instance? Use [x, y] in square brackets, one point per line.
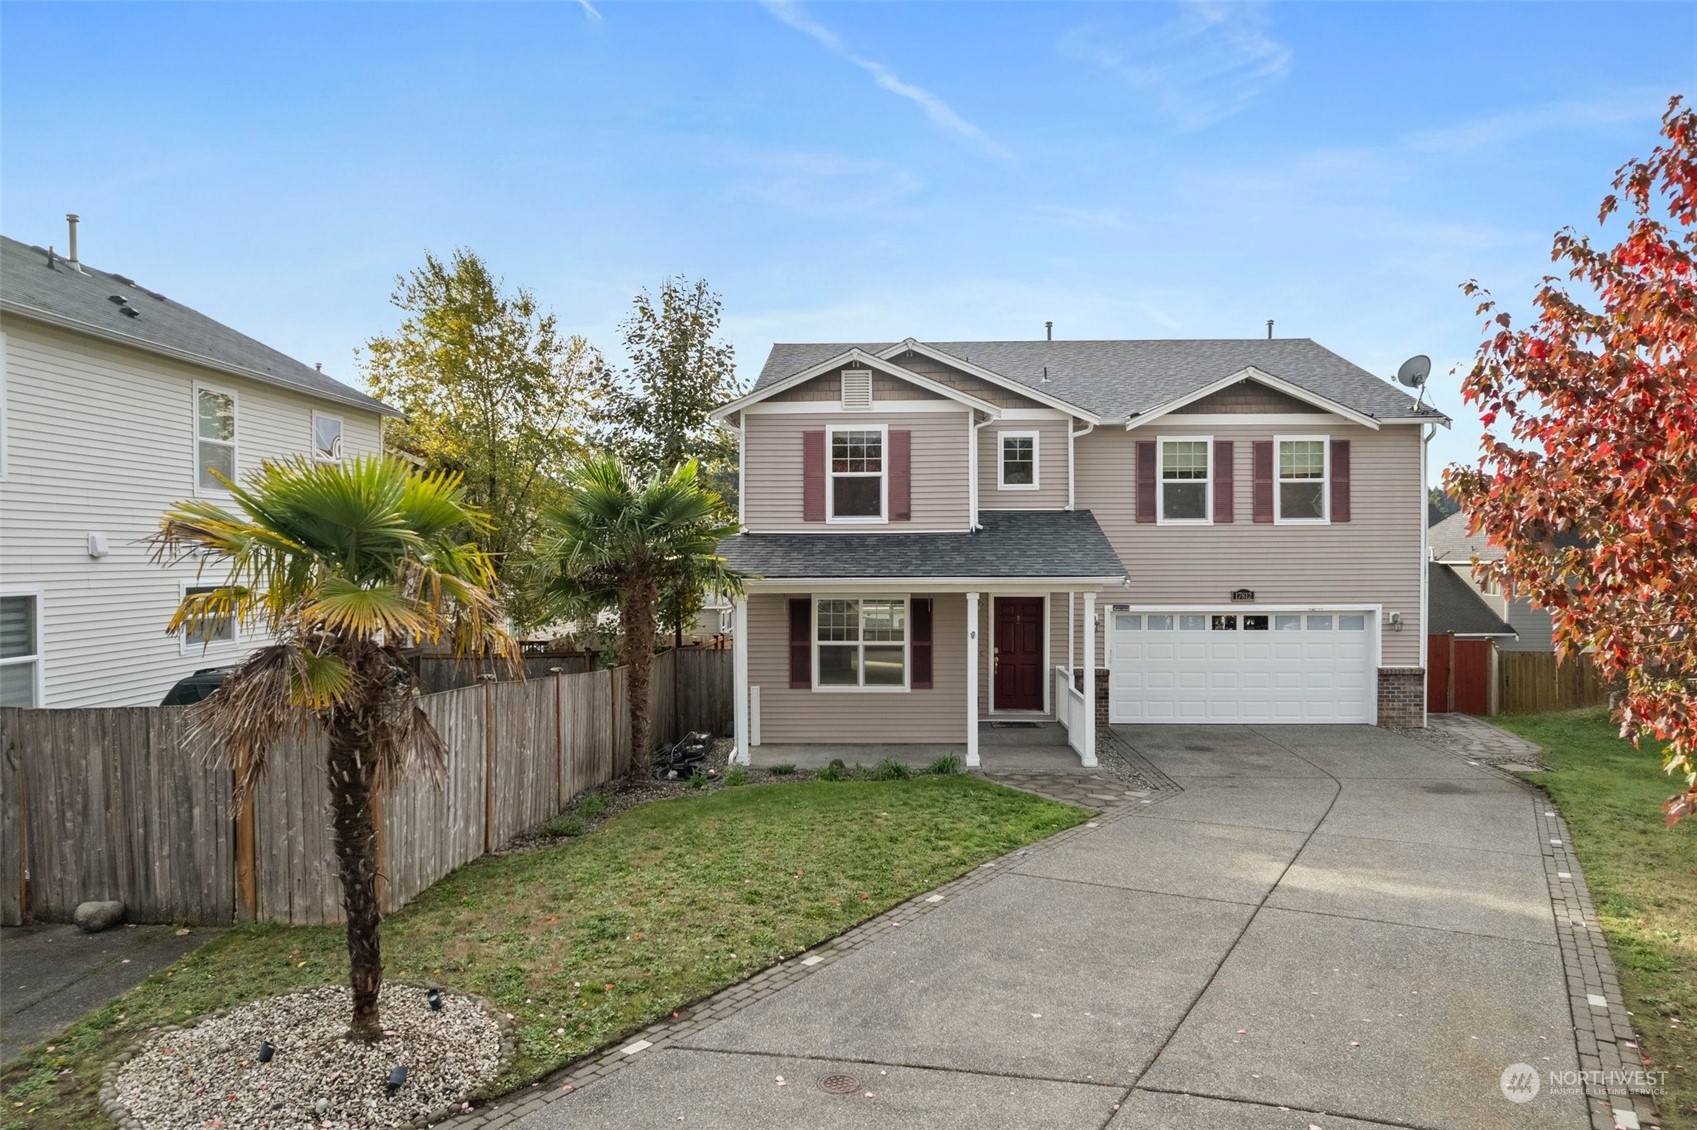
[1311, 667]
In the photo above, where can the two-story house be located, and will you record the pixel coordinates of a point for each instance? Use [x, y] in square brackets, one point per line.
[945, 534]
[115, 402]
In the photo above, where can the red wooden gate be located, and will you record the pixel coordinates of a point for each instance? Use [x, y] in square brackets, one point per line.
[1458, 675]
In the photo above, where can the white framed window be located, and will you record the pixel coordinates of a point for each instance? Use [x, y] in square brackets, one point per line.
[1184, 488]
[859, 484]
[1016, 466]
[1302, 492]
[214, 438]
[210, 636]
[326, 438]
[21, 681]
[860, 643]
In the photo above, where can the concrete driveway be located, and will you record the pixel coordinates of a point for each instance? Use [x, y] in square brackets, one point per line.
[1329, 926]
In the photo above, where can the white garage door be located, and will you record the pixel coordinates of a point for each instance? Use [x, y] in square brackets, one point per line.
[1241, 667]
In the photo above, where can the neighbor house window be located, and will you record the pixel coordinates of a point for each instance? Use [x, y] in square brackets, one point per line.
[1302, 480]
[861, 643]
[1019, 461]
[857, 474]
[1184, 485]
[20, 650]
[326, 438]
[208, 633]
[215, 438]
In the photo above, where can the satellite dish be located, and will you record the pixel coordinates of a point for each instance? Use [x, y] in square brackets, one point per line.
[1414, 371]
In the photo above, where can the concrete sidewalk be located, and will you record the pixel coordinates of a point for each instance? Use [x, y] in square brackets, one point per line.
[1329, 926]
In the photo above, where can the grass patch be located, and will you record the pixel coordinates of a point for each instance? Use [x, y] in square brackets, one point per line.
[784, 770]
[890, 769]
[590, 938]
[1643, 879]
[737, 776]
[945, 766]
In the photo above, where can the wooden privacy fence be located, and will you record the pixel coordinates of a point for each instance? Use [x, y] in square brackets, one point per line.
[1533, 682]
[109, 803]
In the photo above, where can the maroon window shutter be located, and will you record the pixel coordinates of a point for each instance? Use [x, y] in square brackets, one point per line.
[813, 476]
[801, 643]
[1145, 481]
[1340, 480]
[1223, 472]
[901, 475]
[1262, 449]
[920, 627]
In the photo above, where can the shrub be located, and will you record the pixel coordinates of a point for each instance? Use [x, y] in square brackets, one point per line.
[945, 766]
[890, 769]
[699, 780]
[737, 776]
[565, 825]
[833, 772]
[784, 770]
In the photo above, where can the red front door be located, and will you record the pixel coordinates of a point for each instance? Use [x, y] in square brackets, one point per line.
[1018, 658]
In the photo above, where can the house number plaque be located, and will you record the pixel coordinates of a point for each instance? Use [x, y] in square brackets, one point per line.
[1241, 595]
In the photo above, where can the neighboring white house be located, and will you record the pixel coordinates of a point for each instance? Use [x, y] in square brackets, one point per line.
[116, 403]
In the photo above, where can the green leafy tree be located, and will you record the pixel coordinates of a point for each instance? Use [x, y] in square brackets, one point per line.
[617, 541]
[337, 564]
[492, 391]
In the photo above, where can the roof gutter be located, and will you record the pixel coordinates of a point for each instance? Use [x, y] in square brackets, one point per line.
[354, 399]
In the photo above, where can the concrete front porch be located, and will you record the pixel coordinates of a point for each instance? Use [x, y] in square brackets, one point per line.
[1003, 746]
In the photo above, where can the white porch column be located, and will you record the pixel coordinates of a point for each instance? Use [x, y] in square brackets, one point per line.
[1089, 756]
[972, 679]
[739, 688]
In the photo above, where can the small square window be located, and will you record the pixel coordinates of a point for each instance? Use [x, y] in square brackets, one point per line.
[1319, 623]
[1287, 623]
[1254, 623]
[1193, 622]
[1355, 623]
[1159, 623]
[216, 631]
[1224, 624]
[1019, 460]
[1126, 622]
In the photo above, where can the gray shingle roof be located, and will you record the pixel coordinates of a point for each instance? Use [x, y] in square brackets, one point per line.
[1454, 606]
[1012, 543]
[1116, 379]
[1450, 541]
[83, 302]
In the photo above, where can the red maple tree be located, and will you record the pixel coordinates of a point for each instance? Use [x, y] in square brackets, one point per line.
[1592, 493]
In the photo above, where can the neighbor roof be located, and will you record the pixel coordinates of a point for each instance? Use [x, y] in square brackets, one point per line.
[1012, 543]
[1450, 541]
[1453, 605]
[1116, 380]
[83, 302]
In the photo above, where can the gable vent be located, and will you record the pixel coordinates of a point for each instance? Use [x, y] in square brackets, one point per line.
[857, 390]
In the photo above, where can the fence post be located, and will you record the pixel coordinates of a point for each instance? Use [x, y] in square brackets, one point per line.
[247, 863]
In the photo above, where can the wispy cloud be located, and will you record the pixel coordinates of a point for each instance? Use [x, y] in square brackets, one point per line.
[590, 10]
[941, 114]
[1208, 63]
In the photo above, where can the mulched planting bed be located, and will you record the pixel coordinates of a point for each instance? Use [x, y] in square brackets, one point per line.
[209, 1074]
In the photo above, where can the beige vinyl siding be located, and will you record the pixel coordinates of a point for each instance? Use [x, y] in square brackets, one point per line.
[101, 438]
[772, 470]
[1372, 559]
[1051, 492]
[829, 388]
[844, 717]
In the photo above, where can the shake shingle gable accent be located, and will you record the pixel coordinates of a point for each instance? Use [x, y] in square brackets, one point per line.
[1009, 543]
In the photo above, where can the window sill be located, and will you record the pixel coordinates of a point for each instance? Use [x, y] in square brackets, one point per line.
[856, 521]
[862, 690]
[1018, 486]
[1209, 521]
[1277, 521]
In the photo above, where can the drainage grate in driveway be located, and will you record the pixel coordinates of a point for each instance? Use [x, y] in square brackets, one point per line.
[839, 1084]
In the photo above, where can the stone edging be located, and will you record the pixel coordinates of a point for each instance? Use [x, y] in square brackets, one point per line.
[119, 1113]
[689, 1020]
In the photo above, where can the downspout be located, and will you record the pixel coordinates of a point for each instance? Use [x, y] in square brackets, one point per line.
[1428, 431]
[1071, 466]
[972, 457]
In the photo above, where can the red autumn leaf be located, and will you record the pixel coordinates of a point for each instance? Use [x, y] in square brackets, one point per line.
[1594, 502]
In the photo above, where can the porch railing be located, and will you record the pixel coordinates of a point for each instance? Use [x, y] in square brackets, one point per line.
[1069, 709]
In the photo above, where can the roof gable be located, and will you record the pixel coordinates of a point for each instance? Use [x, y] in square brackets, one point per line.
[854, 357]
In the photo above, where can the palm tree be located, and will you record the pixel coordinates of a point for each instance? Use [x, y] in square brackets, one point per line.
[340, 565]
[615, 542]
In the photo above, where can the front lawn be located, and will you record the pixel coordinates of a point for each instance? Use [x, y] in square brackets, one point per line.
[1643, 879]
[590, 938]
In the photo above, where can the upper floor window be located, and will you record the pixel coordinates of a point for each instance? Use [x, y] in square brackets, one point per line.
[861, 643]
[858, 487]
[20, 649]
[215, 437]
[1018, 466]
[1184, 486]
[1301, 490]
[326, 438]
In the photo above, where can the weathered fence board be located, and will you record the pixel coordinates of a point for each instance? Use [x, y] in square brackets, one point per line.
[111, 804]
[1535, 682]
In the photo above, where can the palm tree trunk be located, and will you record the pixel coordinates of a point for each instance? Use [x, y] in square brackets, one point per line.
[636, 614]
[352, 776]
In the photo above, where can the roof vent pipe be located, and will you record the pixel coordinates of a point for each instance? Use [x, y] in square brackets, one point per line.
[1048, 331]
[75, 264]
[1269, 329]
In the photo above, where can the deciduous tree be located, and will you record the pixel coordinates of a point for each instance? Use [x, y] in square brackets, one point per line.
[1588, 469]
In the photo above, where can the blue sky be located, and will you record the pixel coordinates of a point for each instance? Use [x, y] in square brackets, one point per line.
[842, 171]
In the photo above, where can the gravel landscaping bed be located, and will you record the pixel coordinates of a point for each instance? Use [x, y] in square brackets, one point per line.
[209, 1074]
